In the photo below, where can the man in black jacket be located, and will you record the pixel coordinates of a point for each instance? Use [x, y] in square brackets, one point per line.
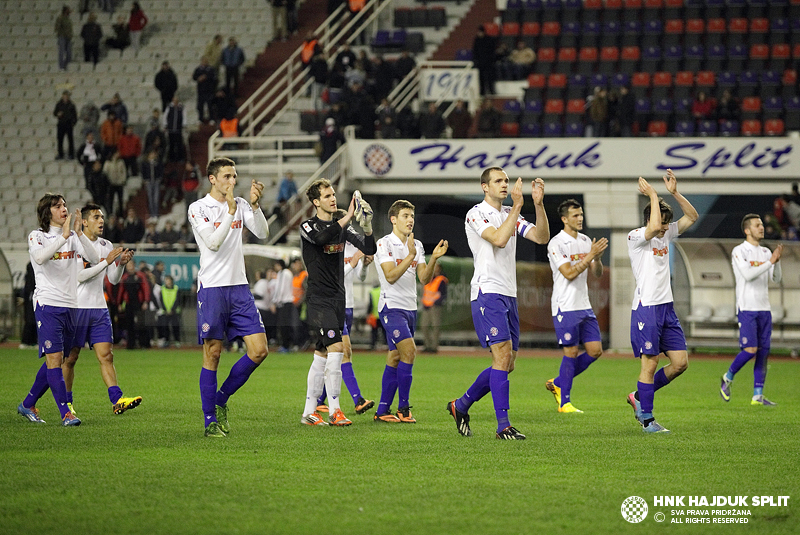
[67, 115]
[167, 84]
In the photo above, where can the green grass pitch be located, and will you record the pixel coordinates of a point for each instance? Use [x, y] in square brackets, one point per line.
[151, 471]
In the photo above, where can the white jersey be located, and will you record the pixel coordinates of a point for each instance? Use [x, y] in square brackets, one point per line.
[753, 271]
[56, 276]
[350, 273]
[403, 293]
[569, 295]
[261, 293]
[650, 263]
[225, 265]
[91, 279]
[495, 267]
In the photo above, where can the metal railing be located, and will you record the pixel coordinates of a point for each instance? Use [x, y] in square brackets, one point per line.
[279, 153]
[410, 87]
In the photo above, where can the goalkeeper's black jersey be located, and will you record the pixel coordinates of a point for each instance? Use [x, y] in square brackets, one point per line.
[322, 245]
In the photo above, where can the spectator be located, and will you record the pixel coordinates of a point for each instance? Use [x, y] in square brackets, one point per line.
[407, 124]
[431, 124]
[383, 74]
[167, 84]
[113, 230]
[626, 112]
[330, 138]
[483, 56]
[222, 106]
[110, 132]
[133, 228]
[504, 69]
[67, 115]
[174, 123]
[521, 60]
[169, 313]
[702, 107]
[362, 111]
[288, 187]
[772, 227]
[122, 36]
[115, 170]
[404, 65]
[292, 24]
[63, 31]
[150, 240]
[206, 77]
[213, 52]
[309, 49]
[232, 58]
[130, 148]
[488, 120]
[355, 7]
[319, 74]
[612, 125]
[136, 24]
[98, 184]
[154, 133]
[387, 120]
[190, 183]
[29, 337]
[133, 297]
[118, 107]
[153, 175]
[88, 153]
[187, 237]
[727, 107]
[90, 117]
[92, 34]
[263, 289]
[345, 59]
[598, 113]
[278, 19]
[168, 238]
[434, 296]
[460, 121]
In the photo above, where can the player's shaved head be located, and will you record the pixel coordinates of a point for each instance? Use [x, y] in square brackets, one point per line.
[43, 208]
[747, 221]
[486, 176]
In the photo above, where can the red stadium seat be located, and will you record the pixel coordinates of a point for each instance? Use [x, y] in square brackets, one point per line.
[657, 128]
[491, 29]
[531, 29]
[631, 53]
[673, 26]
[509, 129]
[759, 52]
[706, 79]
[695, 26]
[640, 79]
[796, 51]
[557, 81]
[773, 127]
[716, 26]
[781, 51]
[588, 53]
[759, 26]
[737, 26]
[551, 28]
[576, 106]
[662, 79]
[554, 106]
[609, 53]
[789, 77]
[632, 4]
[684, 79]
[751, 104]
[536, 80]
[567, 54]
[511, 28]
[546, 54]
[751, 127]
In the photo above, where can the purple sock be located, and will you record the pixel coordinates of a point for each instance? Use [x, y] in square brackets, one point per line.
[55, 378]
[582, 362]
[350, 382]
[660, 380]
[114, 393]
[403, 383]
[38, 389]
[69, 396]
[239, 375]
[741, 359]
[565, 375]
[388, 388]
[498, 382]
[208, 392]
[760, 367]
[475, 392]
[321, 398]
[647, 393]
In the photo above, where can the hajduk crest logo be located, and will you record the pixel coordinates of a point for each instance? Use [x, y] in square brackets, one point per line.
[634, 509]
[378, 159]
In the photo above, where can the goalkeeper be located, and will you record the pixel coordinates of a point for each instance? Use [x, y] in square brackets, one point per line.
[322, 245]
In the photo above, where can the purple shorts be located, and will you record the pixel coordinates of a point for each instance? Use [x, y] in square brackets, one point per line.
[755, 329]
[92, 325]
[398, 324]
[656, 329]
[348, 321]
[496, 319]
[576, 327]
[227, 310]
[55, 327]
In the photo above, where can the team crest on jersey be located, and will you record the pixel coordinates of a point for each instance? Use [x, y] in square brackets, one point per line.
[396, 333]
[48, 344]
[333, 248]
[331, 334]
[206, 327]
[567, 337]
[378, 159]
[648, 345]
[493, 331]
[307, 227]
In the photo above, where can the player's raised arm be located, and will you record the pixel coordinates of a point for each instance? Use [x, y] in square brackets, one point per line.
[499, 236]
[541, 231]
[689, 212]
[426, 275]
[654, 223]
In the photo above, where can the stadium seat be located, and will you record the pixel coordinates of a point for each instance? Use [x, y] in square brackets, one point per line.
[653, 10]
[716, 58]
[662, 85]
[789, 84]
[640, 84]
[464, 54]
[770, 84]
[509, 129]
[575, 107]
[707, 128]
[759, 56]
[533, 108]
[695, 58]
[727, 80]
[573, 129]
[530, 129]
[591, 10]
[773, 127]
[550, 34]
[663, 109]
[570, 34]
[643, 109]
[530, 33]
[684, 129]
[751, 127]
[556, 86]
[695, 28]
[657, 128]
[684, 84]
[673, 58]
[545, 58]
[631, 32]
[778, 31]
[553, 129]
[773, 108]
[566, 60]
[612, 10]
[512, 109]
[780, 56]
[651, 58]
[587, 60]
[748, 84]
[751, 108]
[630, 57]
[737, 31]
[611, 32]
[590, 35]
[491, 29]
[620, 79]
[554, 107]
[759, 28]
[632, 10]
[653, 33]
[716, 31]
[673, 32]
[729, 128]
[576, 86]
[706, 80]
[792, 117]
[673, 9]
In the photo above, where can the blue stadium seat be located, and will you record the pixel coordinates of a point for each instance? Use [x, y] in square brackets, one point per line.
[553, 129]
[684, 128]
[707, 128]
[729, 128]
[573, 129]
[530, 129]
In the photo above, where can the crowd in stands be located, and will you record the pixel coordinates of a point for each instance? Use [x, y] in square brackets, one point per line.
[784, 221]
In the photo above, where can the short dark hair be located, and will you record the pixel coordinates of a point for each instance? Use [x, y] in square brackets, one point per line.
[746, 221]
[43, 209]
[313, 191]
[88, 207]
[400, 204]
[218, 163]
[666, 211]
[486, 176]
[563, 208]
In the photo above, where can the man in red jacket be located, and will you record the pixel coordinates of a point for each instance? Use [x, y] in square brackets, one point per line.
[130, 148]
[134, 296]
